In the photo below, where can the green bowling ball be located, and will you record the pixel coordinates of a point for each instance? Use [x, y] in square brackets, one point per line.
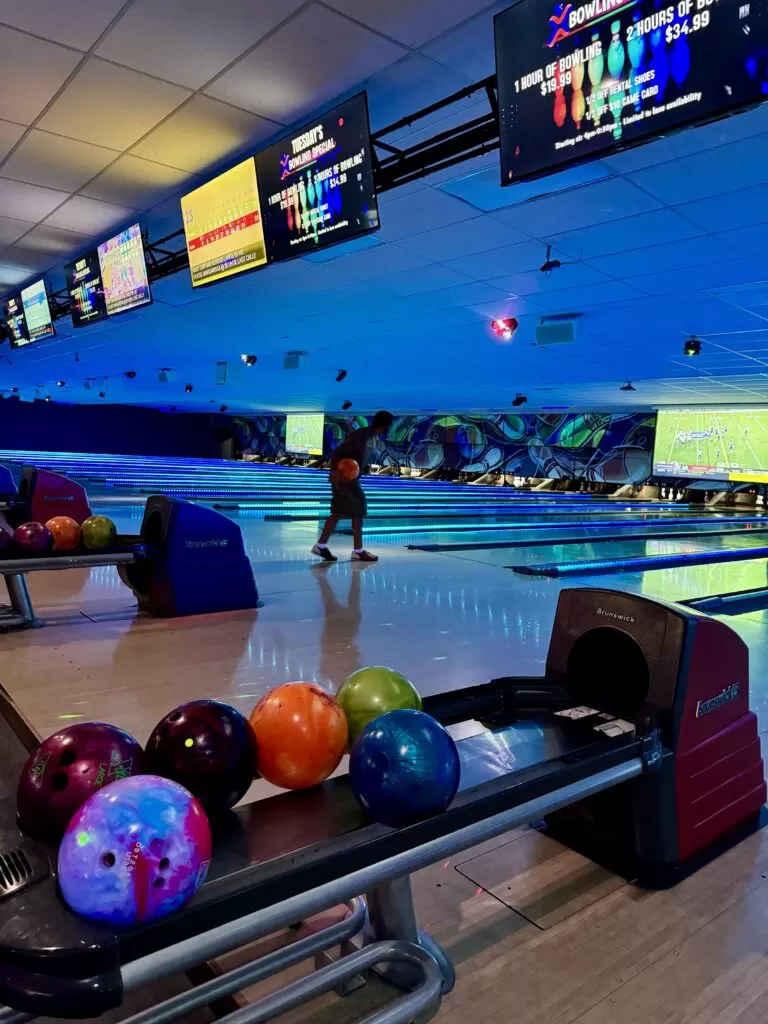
[98, 533]
[374, 691]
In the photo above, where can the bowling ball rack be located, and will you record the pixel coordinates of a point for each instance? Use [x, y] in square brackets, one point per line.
[637, 747]
[20, 613]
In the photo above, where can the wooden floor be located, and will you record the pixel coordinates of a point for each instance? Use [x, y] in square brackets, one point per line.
[537, 934]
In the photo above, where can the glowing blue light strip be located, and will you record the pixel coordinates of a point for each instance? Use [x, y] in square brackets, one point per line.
[617, 565]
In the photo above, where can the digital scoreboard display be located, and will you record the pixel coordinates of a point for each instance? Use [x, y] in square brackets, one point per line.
[124, 271]
[13, 314]
[577, 80]
[304, 433]
[317, 183]
[86, 291]
[37, 313]
[716, 444]
[223, 225]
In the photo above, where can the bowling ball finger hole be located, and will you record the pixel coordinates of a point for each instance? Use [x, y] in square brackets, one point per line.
[59, 782]
[108, 860]
[174, 717]
[164, 864]
[67, 758]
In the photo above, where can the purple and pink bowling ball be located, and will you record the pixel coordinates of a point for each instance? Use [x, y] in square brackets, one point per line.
[136, 851]
[66, 769]
[33, 538]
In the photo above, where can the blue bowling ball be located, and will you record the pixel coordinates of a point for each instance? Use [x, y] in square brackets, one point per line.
[404, 767]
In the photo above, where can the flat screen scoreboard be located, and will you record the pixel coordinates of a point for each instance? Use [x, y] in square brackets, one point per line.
[124, 271]
[13, 314]
[223, 225]
[304, 434]
[716, 444]
[37, 312]
[579, 80]
[86, 291]
[317, 183]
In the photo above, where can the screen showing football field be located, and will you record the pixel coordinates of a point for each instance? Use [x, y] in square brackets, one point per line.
[723, 444]
[304, 434]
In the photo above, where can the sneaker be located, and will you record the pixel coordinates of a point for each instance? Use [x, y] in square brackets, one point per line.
[324, 553]
[364, 556]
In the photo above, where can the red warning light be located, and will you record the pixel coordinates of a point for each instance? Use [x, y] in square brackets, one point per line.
[504, 328]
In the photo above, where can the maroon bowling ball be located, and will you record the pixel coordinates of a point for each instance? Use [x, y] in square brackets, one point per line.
[206, 746]
[66, 769]
[33, 538]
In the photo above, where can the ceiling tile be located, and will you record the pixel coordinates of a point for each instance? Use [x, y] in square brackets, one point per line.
[480, 234]
[23, 94]
[78, 25]
[289, 74]
[670, 257]
[88, 216]
[409, 23]
[421, 211]
[203, 132]
[10, 275]
[9, 136]
[535, 283]
[738, 165]
[709, 277]
[726, 212]
[206, 36]
[654, 228]
[746, 241]
[12, 229]
[111, 106]
[424, 279]
[412, 83]
[468, 48]
[484, 190]
[512, 259]
[377, 261]
[55, 240]
[56, 162]
[27, 202]
[136, 183]
[34, 260]
[576, 208]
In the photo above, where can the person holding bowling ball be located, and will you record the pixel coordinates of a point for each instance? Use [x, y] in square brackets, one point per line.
[347, 496]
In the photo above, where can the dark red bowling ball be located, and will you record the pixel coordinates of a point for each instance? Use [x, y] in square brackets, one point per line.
[66, 769]
[33, 538]
[207, 747]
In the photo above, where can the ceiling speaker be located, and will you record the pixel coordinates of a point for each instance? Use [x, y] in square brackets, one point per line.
[560, 330]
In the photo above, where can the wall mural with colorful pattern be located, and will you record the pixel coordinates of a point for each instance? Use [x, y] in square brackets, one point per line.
[609, 447]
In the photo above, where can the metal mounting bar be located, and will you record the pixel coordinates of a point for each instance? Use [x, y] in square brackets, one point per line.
[209, 944]
[257, 970]
[425, 995]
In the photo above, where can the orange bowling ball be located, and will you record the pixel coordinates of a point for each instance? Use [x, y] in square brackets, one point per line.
[301, 735]
[348, 469]
[66, 533]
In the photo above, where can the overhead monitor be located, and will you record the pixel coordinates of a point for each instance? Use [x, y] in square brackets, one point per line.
[317, 183]
[716, 444]
[37, 312]
[223, 225]
[304, 434]
[86, 292]
[583, 79]
[124, 271]
[13, 314]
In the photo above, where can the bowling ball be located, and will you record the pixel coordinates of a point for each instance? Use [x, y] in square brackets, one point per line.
[404, 767]
[66, 769]
[301, 735]
[98, 532]
[348, 469]
[33, 538]
[373, 691]
[137, 850]
[207, 747]
[66, 533]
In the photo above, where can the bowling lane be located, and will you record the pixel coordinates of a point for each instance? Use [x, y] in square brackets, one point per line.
[597, 552]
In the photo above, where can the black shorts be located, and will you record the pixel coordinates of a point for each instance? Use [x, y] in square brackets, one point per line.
[348, 500]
